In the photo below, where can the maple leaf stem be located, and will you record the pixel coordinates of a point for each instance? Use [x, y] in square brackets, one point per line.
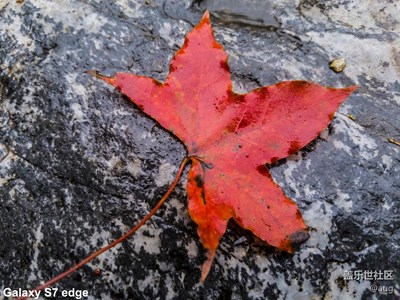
[121, 238]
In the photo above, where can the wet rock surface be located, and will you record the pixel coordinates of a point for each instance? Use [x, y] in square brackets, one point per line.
[80, 164]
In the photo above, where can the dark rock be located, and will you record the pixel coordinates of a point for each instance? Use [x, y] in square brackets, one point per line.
[80, 164]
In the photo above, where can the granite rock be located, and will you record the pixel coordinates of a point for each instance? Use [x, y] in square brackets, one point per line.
[80, 164]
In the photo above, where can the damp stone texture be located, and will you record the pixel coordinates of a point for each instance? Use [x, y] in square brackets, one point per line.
[80, 164]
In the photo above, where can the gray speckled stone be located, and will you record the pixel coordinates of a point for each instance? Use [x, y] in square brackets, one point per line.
[80, 164]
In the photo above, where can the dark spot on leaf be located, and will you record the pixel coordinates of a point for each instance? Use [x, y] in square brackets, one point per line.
[274, 159]
[199, 181]
[156, 82]
[263, 170]
[224, 65]
[203, 197]
[294, 146]
[262, 92]
[172, 68]
[298, 84]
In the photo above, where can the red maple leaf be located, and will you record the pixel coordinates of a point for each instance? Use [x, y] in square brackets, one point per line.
[231, 137]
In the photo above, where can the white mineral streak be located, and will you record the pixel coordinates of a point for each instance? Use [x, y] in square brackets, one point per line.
[368, 15]
[291, 165]
[151, 280]
[151, 244]
[79, 16]
[131, 8]
[166, 174]
[165, 33]
[192, 250]
[36, 243]
[367, 147]
[134, 167]
[319, 217]
[173, 203]
[343, 200]
[358, 56]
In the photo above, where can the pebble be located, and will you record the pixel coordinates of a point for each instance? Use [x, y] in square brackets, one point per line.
[337, 64]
